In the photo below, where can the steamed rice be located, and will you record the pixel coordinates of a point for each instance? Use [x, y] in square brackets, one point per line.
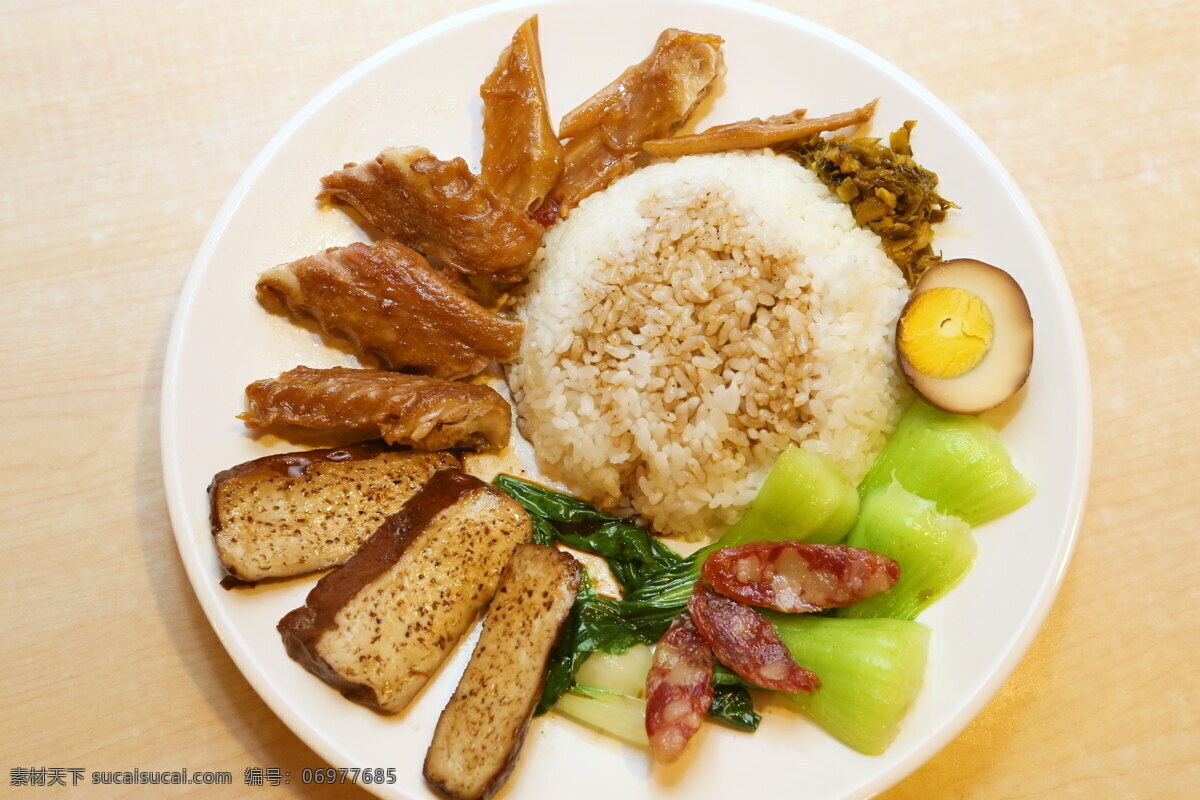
[690, 322]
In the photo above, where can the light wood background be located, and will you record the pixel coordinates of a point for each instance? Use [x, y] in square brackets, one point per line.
[122, 128]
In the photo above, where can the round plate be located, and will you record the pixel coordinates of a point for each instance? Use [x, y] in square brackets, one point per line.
[425, 90]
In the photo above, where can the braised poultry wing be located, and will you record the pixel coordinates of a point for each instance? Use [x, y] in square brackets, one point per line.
[441, 209]
[755, 133]
[650, 100]
[522, 158]
[388, 302]
[426, 413]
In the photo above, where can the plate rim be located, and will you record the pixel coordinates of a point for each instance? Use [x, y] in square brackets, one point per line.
[326, 746]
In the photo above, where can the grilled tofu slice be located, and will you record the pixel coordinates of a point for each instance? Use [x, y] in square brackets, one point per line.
[294, 513]
[480, 732]
[377, 628]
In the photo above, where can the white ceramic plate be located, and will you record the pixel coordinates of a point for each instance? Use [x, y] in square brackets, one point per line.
[424, 90]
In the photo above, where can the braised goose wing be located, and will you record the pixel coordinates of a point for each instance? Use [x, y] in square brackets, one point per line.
[755, 133]
[522, 158]
[650, 100]
[426, 413]
[440, 209]
[387, 301]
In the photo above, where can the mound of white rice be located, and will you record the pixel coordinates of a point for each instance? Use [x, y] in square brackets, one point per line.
[690, 322]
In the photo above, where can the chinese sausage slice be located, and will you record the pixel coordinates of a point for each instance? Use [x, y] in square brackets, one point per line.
[650, 100]
[388, 302]
[425, 413]
[522, 158]
[441, 209]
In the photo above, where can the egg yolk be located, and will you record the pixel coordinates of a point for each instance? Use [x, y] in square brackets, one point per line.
[946, 332]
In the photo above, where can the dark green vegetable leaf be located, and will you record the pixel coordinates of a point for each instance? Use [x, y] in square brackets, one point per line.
[632, 552]
[549, 504]
[724, 676]
[543, 532]
[598, 625]
[656, 583]
[733, 706]
[671, 586]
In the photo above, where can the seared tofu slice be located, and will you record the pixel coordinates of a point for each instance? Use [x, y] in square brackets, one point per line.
[377, 628]
[293, 513]
[479, 735]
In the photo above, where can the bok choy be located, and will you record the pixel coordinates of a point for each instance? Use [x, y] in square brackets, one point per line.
[598, 624]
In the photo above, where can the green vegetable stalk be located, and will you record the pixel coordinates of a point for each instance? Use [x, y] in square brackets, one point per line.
[934, 551]
[870, 670]
[611, 713]
[805, 498]
[957, 461]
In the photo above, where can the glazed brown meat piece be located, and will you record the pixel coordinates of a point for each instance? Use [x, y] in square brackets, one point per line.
[650, 100]
[388, 302]
[522, 158]
[440, 209]
[425, 413]
[755, 133]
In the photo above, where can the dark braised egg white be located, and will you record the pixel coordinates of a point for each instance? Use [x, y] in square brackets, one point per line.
[965, 337]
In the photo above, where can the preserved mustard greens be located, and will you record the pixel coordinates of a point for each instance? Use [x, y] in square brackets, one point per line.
[888, 191]
[934, 551]
[870, 670]
[806, 498]
[957, 461]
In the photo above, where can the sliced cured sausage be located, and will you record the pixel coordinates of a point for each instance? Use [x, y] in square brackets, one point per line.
[800, 576]
[678, 689]
[747, 643]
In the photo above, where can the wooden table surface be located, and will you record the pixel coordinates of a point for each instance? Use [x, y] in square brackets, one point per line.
[124, 125]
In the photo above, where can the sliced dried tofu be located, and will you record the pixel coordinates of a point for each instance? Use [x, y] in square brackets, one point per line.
[380, 626]
[294, 513]
[480, 732]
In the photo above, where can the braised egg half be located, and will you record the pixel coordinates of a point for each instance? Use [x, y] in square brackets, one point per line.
[965, 337]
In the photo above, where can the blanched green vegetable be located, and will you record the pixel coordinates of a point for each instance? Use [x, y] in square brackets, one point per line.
[614, 627]
[608, 712]
[805, 498]
[618, 672]
[733, 706]
[632, 551]
[934, 551]
[956, 461]
[598, 625]
[870, 671]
